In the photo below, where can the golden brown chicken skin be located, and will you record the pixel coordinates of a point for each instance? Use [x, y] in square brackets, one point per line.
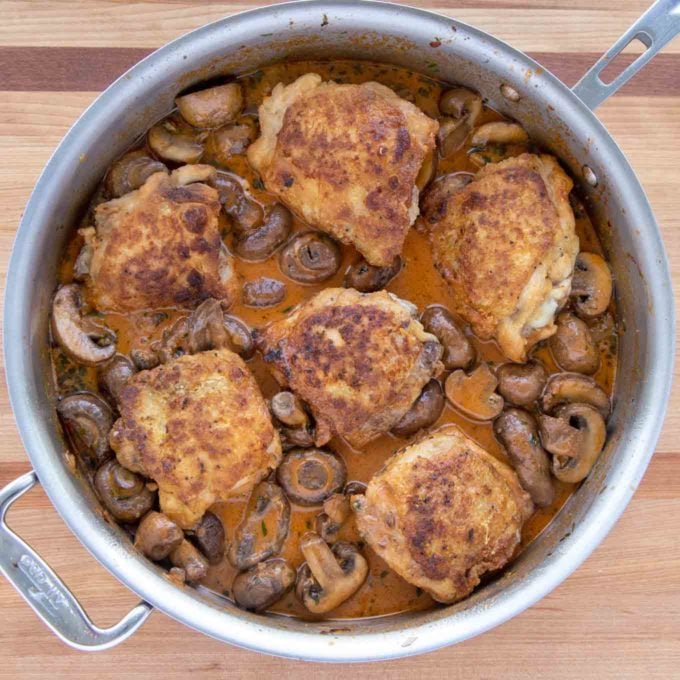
[442, 512]
[200, 428]
[160, 246]
[345, 158]
[358, 360]
[506, 244]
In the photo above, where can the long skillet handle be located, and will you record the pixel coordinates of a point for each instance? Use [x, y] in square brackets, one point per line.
[655, 28]
[47, 594]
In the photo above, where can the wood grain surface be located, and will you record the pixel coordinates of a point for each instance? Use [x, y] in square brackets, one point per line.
[617, 616]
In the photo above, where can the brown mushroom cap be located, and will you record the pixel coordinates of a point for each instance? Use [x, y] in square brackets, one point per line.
[264, 528]
[246, 213]
[263, 292]
[574, 464]
[87, 419]
[591, 285]
[262, 585]
[260, 244]
[289, 409]
[425, 410]
[157, 536]
[458, 350]
[521, 384]
[329, 576]
[367, 278]
[230, 140]
[518, 433]
[186, 556]
[209, 537]
[475, 394]
[461, 108]
[124, 494]
[309, 476]
[567, 388]
[130, 171]
[310, 257]
[572, 345]
[81, 337]
[114, 375]
[212, 107]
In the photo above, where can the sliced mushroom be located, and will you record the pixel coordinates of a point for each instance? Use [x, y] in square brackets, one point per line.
[521, 384]
[263, 292]
[296, 438]
[247, 213]
[474, 394]
[81, 337]
[264, 528]
[335, 514]
[591, 285]
[310, 257]
[310, 476]
[458, 350]
[574, 465]
[157, 536]
[114, 375]
[452, 135]
[427, 171]
[424, 411]
[263, 585]
[499, 132]
[558, 437]
[130, 171]
[186, 556]
[330, 575]
[87, 420]
[461, 108]
[259, 244]
[572, 346]
[518, 432]
[354, 488]
[213, 107]
[125, 494]
[289, 409]
[210, 328]
[568, 388]
[174, 142]
[209, 537]
[231, 140]
[367, 278]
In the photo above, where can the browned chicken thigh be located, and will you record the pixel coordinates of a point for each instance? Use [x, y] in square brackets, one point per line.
[358, 360]
[506, 244]
[442, 512]
[345, 157]
[160, 246]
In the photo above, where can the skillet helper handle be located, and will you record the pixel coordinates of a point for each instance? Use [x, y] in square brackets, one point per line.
[47, 594]
[655, 28]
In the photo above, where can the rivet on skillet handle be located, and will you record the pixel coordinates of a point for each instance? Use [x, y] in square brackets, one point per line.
[47, 594]
[656, 27]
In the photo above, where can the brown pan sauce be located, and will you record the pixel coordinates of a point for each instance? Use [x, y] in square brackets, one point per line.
[383, 592]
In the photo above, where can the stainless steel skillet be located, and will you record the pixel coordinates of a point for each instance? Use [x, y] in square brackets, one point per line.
[557, 117]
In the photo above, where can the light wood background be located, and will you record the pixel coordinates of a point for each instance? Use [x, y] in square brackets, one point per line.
[618, 616]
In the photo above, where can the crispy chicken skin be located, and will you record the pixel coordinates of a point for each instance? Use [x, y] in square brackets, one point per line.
[359, 360]
[200, 428]
[507, 246]
[442, 512]
[345, 157]
[160, 246]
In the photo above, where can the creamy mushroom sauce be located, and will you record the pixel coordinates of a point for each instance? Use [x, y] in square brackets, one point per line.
[384, 592]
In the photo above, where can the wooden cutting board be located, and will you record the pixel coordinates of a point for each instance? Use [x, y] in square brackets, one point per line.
[617, 616]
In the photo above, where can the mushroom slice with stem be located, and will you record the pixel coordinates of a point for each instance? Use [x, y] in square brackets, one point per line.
[289, 409]
[310, 476]
[260, 244]
[474, 394]
[458, 350]
[521, 384]
[209, 537]
[425, 410]
[263, 585]
[367, 278]
[230, 140]
[81, 337]
[567, 388]
[157, 536]
[210, 328]
[330, 575]
[130, 171]
[87, 419]
[310, 257]
[518, 433]
[335, 514]
[114, 375]
[461, 108]
[264, 528]
[573, 465]
[212, 107]
[572, 346]
[499, 132]
[242, 208]
[187, 557]
[124, 493]
[591, 285]
[174, 142]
